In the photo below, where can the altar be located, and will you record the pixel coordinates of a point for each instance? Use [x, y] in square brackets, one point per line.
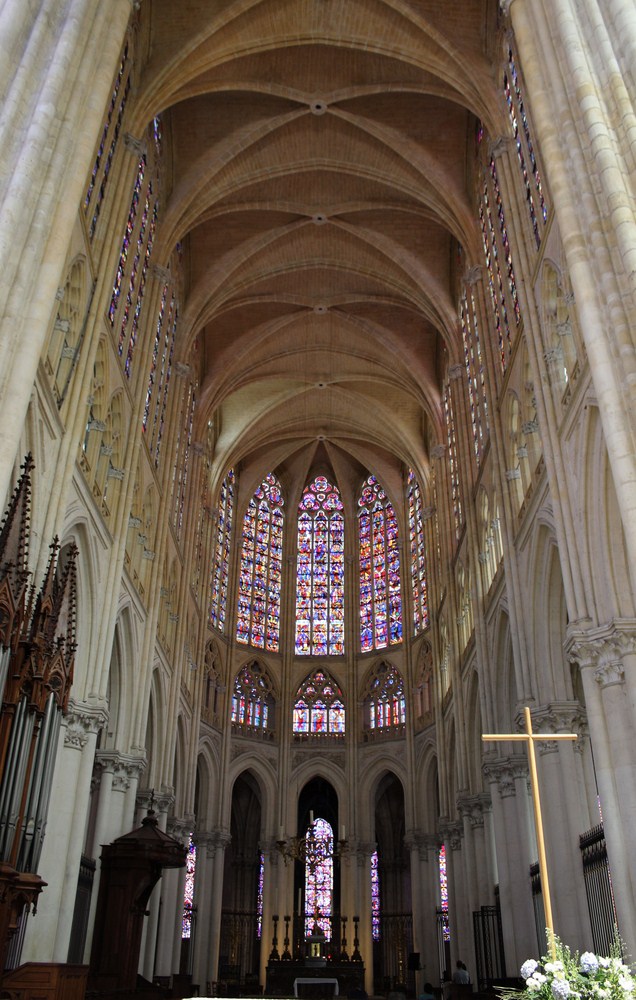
[297, 979]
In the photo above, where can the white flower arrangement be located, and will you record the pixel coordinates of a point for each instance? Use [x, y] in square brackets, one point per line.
[570, 977]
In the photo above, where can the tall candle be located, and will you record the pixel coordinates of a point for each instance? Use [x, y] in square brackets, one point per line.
[342, 832]
[300, 901]
[311, 815]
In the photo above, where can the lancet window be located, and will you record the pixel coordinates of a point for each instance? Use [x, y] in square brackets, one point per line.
[533, 189]
[253, 700]
[453, 460]
[134, 259]
[375, 897]
[417, 554]
[320, 571]
[319, 880]
[475, 371]
[160, 372]
[111, 130]
[221, 563]
[380, 597]
[384, 702]
[259, 895]
[319, 706]
[258, 617]
[182, 456]
[188, 893]
[443, 890]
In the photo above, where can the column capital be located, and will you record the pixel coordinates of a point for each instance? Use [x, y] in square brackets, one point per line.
[474, 808]
[123, 767]
[473, 275]
[180, 827]
[456, 372]
[82, 719]
[438, 451]
[452, 834]
[504, 773]
[603, 649]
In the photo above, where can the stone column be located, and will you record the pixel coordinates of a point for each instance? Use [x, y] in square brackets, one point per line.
[169, 934]
[607, 660]
[162, 803]
[508, 780]
[363, 854]
[48, 934]
[54, 92]
[478, 871]
[208, 899]
[565, 818]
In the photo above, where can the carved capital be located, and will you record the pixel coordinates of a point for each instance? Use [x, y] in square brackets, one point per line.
[473, 808]
[134, 145]
[505, 773]
[456, 372]
[603, 649]
[452, 835]
[81, 720]
[438, 451]
[473, 275]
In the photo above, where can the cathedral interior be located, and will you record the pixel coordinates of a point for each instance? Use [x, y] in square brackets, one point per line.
[317, 432]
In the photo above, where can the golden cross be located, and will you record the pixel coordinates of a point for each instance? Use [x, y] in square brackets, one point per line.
[530, 739]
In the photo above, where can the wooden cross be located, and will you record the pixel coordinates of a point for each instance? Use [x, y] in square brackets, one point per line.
[530, 739]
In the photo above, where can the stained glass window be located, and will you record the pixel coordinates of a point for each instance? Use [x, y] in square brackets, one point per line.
[475, 371]
[443, 890]
[125, 246]
[320, 571]
[385, 704]
[252, 701]
[258, 616]
[162, 370]
[259, 895]
[319, 707]
[418, 554]
[107, 145]
[375, 897]
[182, 456]
[188, 894]
[319, 878]
[380, 597]
[453, 460]
[221, 564]
[529, 167]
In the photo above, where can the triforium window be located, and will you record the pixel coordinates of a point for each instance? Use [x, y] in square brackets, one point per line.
[188, 892]
[252, 700]
[385, 704]
[319, 707]
[380, 597]
[320, 571]
[258, 618]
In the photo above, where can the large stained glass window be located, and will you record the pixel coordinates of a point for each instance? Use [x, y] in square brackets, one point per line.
[258, 617]
[221, 564]
[375, 897]
[188, 893]
[319, 707]
[320, 571]
[160, 371]
[385, 704]
[252, 701]
[319, 879]
[380, 597]
[418, 554]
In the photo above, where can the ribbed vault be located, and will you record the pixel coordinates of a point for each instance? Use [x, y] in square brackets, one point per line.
[320, 186]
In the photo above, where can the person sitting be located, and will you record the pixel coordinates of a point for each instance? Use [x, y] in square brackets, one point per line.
[460, 974]
[427, 993]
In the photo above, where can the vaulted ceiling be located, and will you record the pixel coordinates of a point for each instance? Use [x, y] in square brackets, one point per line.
[320, 180]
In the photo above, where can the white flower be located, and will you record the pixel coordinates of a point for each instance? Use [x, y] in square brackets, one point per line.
[528, 968]
[605, 963]
[626, 984]
[560, 989]
[589, 962]
[554, 966]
